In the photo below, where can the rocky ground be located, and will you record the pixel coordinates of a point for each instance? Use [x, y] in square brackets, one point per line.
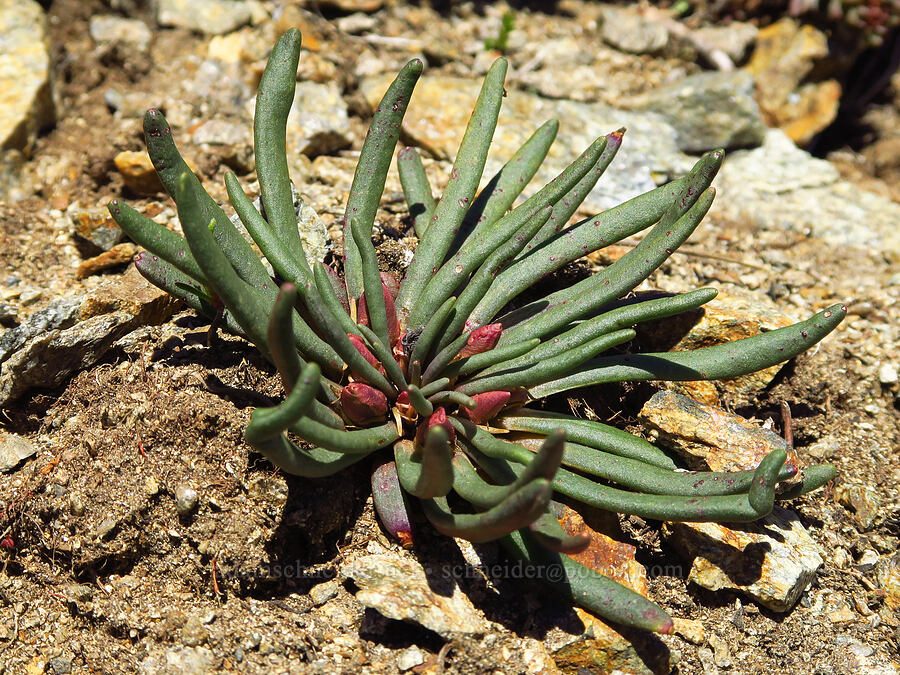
[139, 534]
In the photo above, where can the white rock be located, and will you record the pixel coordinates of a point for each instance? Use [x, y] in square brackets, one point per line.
[779, 187]
[13, 449]
[110, 28]
[630, 30]
[318, 123]
[410, 658]
[773, 560]
[399, 589]
[212, 17]
[887, 373]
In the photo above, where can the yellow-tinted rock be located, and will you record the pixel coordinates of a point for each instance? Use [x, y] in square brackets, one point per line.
[691, 630]
[608, 651]
[120, 254]
[26, 101]
[887, 573]
[710, 438]
[138, 172]
[611, 558]
[604, 649]
[785, 55]
[129, 293]
[733, 315]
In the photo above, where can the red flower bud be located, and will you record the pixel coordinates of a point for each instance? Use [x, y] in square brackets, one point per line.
[481, 339]
[487, 405]
[438, 419]
[363, 404]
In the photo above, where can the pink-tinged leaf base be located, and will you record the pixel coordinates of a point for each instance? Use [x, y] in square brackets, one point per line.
[390, 308]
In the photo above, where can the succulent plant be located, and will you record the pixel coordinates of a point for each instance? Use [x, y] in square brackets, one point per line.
[436, 371]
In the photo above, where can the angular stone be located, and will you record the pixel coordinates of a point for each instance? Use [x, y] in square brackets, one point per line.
[602, 648]
[111, 28]
[120, 254]
[611, 558]
[709, 110]
[732, 315]
[609, 651]
[691, 630]
[887, 573]
[97, 228]
[49, 359]
[785, 55]
[61, 313]
[26, 100]
[733, 40]
[318, 123]
[138, 172]
[52, 346]
[212, 17]
[230, 141]
[9, 314]
[631, 30]
[779, 187]
[129, 293]
[399, 589]
[862, 500]
[14, 449]
[441, 106]
[710, 438]
[772, 560]
[410, 658]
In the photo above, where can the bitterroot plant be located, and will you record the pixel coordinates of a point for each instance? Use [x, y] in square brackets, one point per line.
[436, 371]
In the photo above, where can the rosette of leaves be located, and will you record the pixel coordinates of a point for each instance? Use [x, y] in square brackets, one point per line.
[435, 371]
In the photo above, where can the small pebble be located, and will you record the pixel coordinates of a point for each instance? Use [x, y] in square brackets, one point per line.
[887, 373]
[840, 558]
[106, 526]
[185, 499]
[9, 315]
[410, 658]
[151, 486]
[29, 296]
[690, 630]
[721, 653]
[322, 593]
[737, 617]
[867, 560]
[60, 665]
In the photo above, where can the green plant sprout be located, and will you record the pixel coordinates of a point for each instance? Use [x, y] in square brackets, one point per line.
[500, 43]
